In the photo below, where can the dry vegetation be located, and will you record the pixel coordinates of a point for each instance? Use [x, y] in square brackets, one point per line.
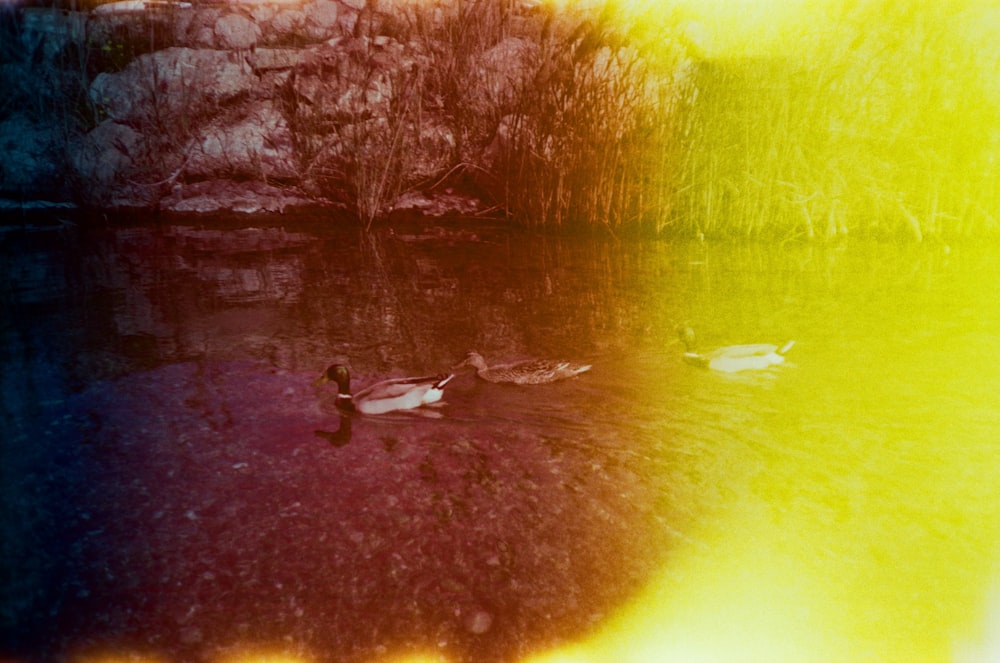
[879, 120]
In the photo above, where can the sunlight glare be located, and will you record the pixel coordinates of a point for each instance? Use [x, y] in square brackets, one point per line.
[111, 656]
[251, 655]
[726, 28]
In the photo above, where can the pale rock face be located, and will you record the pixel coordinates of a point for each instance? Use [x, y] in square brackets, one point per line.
[281, 94]
[323, 13]
[286, 25]
[172, 85]
[236, 32]
[505, 70]
[225, 195]
[108, 159]
[257, 145]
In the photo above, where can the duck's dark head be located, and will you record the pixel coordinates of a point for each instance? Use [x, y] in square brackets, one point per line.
[686, 334]
[337, 373]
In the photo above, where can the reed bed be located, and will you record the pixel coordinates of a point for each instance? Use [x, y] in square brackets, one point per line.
[876, 120]
[879, 118]
[880, 124]
[593, 141]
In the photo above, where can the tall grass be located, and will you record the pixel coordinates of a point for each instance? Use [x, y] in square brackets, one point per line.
[580, 135]
[413, 102]
[591, 143]
[881, 123]
[878, 119]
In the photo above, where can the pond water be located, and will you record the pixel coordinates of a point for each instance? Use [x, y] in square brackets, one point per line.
[177, 488]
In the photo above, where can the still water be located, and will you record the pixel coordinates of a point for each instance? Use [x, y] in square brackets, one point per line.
[176, 488]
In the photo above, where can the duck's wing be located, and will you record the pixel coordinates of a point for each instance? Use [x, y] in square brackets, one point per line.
[537, 366]
[750, 350]
[539, 371]
[388, 389]
[696, 359]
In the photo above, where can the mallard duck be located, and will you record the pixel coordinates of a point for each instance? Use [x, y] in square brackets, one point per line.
[733, 358]
[385, 396]
[528, 371]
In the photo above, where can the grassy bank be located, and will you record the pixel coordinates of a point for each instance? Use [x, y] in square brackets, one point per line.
[688, 119]
[879, 121]
[876, 119]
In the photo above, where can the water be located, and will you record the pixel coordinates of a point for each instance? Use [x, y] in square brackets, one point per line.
[179, 488]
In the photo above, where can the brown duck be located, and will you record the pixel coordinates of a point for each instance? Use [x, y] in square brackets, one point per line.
[528, 371]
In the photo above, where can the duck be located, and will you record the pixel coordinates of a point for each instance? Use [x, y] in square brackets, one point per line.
[528, 371]
[386, 396]
[733, 358]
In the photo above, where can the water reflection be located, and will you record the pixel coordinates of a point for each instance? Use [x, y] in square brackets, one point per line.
[181, 486]
[339, 437]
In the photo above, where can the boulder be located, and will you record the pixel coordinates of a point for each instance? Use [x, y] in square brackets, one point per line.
[214, 196]
[310, 23]
[197, 29]
[31, 158]
[322, 18]
[286, 26]
[274, 59]
[446, 203]
[236, 32]
[349, 79]
[113, 159]
[503, 72]
[170, 88]
[255, 143]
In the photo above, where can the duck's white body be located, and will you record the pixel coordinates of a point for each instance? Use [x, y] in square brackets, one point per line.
[400, 394]
[388, 395]
[735, 358]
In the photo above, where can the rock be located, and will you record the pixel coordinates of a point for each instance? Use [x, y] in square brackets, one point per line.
[240, 197]
[200, 28]
[448, 203]
[108, 159]
[274, 59]
[31, 158]
[236, 32]
[286, 26]
[504, 71]
[256, 144]
[258, 91]
[322, 18]
[479, 622]
[173, 86]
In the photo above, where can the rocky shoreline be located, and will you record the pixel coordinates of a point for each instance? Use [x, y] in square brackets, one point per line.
[258, 107]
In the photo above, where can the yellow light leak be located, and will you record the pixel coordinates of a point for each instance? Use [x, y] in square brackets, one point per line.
[724, 28]
[264, 656]
[894, 560]
[734, 599]
[772, 584]
[254, 655]
[243, 655]
[125, 656]
[414, 658]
